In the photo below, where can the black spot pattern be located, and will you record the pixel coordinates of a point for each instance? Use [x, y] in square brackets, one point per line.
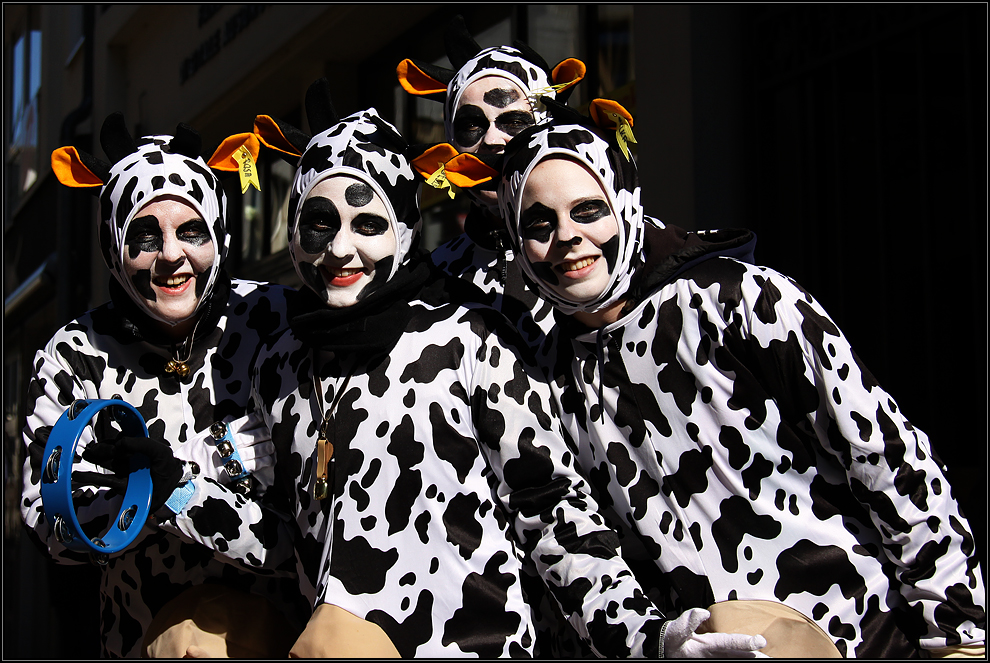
[108, 359]
[776, 491]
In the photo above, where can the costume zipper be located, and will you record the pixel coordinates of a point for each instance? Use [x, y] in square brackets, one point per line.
[600, 343]
[501, 262]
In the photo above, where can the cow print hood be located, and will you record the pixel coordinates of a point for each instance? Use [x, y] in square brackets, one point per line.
[366, 147]
[507, 62]
[151, 171]
[616, 175]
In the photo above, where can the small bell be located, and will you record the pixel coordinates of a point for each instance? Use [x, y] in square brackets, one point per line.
[320, 489]
[180, 368]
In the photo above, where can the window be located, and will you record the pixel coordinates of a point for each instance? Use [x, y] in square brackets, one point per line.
[25, 77]
[616, 67]
[263, 213]
[555, 33]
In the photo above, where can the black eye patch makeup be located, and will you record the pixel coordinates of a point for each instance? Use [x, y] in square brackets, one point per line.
[500, 98]
[370, 224]
[144, 235]
[538, 223]
[319, 223]
[358, 194]
[589, 211]
[470, 125]
[514, 122]
[194, 232]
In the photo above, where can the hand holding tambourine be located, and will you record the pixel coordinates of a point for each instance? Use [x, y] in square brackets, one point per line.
[143, 469]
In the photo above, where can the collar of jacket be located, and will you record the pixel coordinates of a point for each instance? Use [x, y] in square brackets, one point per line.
[670, 252]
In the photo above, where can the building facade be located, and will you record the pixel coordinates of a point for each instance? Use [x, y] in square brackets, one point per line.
[851, 138]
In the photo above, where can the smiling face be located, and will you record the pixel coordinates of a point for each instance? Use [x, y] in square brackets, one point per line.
[168, 253]
[568, 230]
[344, 244]
[489, 113]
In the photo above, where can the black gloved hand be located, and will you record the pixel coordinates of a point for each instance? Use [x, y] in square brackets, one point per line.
[115, 455]
[105, 430]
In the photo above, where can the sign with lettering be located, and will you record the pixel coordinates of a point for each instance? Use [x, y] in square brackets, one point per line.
[210, 46]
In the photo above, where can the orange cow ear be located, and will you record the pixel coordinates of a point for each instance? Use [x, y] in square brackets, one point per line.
[600, 110]
[71, 169]
[571, 71]
[433, 159]
[279, 138]
[414, 79]
[467, 171]
[223, 157]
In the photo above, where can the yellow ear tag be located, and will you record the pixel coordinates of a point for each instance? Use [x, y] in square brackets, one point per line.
[438, 180]
[247, 169]
[534, 95]
[623, 133]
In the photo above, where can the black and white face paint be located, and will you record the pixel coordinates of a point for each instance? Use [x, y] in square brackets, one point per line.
[492, 98]
[345, 246]
[568, 231]
[518, 76]
[168, 256]
[581, 249]
[354, 209]
[491, 111]
[163, 229]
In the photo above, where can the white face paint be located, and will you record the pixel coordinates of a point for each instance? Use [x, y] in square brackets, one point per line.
[341, 238]
[167, 254]
[489, 113]
[566, 223]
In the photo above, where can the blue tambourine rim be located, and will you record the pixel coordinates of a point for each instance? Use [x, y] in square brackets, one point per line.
[56, 496]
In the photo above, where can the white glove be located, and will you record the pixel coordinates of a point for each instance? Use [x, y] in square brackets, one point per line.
[253, 441]
[681, 641]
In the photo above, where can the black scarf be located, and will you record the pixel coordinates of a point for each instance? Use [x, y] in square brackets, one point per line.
[372, 326]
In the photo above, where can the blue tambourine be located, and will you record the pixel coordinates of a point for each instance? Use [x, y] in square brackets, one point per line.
[56, 479]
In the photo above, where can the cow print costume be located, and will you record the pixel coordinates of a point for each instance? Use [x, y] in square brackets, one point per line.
[744, 448]
[482, 255]
[117, 351]
[448, 468]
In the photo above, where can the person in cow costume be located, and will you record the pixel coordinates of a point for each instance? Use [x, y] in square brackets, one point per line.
[491, 95]
[175, 341]
[415, 450]
[746, 452]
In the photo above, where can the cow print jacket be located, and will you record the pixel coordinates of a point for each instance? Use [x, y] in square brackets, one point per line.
[448, 468]
[102, 355]
[484, 258]
[748, 454]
